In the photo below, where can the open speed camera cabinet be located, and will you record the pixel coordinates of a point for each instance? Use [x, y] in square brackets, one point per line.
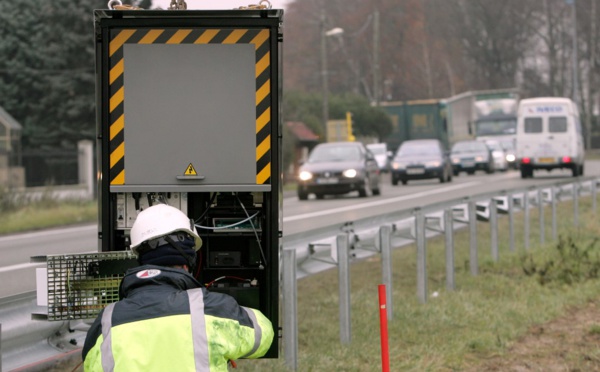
[189, 115]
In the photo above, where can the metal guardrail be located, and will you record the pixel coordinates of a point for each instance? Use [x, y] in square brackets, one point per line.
[310, 252]
[377, 235]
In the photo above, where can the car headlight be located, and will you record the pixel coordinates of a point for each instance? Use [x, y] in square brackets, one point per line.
[350, 173]
[479, 158]
[305, 176]
[455, 160]
[433, 164]
[398, 165]
[510, 157]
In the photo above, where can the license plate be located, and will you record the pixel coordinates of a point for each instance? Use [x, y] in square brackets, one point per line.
[415, 171]
[546, 160]
[326, 181]
[468, 164]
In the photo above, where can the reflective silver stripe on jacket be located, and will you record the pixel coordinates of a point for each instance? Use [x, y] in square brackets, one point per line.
[199, 329]
[108, 360]
[257, 331]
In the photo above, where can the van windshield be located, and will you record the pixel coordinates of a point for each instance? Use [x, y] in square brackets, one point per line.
[495, 127]
[533, 125]
[557, 124]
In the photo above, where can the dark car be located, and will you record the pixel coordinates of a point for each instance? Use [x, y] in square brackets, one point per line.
[421, 159]
[470, 156]
[339, 168]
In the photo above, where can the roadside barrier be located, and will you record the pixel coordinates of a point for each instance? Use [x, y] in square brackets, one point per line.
[338, 245]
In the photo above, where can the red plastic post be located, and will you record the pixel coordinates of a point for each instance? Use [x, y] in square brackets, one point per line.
[385, 354]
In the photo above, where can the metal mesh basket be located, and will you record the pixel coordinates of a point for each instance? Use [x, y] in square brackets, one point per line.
[81, 285]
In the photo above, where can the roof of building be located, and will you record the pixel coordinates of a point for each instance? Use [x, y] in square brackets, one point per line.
[8, 121]
[301, 131]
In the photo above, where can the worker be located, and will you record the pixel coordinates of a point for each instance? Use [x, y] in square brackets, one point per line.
[166, 320]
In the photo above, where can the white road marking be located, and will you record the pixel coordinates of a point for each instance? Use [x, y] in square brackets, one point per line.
[379, 202]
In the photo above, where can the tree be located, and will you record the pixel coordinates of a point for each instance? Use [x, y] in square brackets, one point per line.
[306, 107]
[47, 70]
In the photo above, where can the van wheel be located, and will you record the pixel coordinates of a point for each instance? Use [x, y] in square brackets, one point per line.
[575, 170]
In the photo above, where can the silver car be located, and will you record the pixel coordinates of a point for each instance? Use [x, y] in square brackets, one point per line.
[382, 155]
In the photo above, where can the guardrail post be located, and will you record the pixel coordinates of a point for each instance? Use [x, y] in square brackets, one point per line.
[290, 315]
[473, 238]
[541, 216]
[511, 222]
[494, 228]
[575, 204]
[344, 282]
[385, 234]
[449, 235]
[421, 257]
[553, 197]
[526, 213]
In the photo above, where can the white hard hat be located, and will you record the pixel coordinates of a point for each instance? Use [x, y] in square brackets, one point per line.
[160, 220]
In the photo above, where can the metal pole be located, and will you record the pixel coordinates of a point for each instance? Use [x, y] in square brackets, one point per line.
[344, 282]
[473, 238]
[541, 216]
[376, 72]
[494, 229]
[575, 204]
[290, 313]
[449, 233]
[421, 257]
[553, 193]
[385, 234]
[511, 222]
[324, 78]
[526, 213]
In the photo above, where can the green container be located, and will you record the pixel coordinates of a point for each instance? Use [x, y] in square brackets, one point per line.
[418, 119]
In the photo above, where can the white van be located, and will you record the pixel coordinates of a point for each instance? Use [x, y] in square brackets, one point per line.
[549, 136]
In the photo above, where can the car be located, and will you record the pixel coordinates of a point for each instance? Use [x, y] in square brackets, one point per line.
[382, 155]
[470, 156]
[421, 159]
[510, 150]
[499, 155]
[335, 168]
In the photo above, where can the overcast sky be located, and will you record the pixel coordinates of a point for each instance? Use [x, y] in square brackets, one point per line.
[219, 4]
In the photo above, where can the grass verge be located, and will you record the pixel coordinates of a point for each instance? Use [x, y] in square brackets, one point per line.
[19, 213]
[457, 330]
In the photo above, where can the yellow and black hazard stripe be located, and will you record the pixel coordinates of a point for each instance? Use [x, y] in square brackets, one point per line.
[258, 37]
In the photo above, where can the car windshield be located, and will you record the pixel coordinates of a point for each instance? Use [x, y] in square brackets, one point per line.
[473, 146]
[412, 150]
[322, 154]
[508, 145]
[494, 145]
[377, 150]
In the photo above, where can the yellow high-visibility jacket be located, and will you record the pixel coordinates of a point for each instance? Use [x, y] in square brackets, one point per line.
[167, 321]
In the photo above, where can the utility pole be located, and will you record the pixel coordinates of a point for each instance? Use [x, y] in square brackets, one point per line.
[324, 83]
[376, 72]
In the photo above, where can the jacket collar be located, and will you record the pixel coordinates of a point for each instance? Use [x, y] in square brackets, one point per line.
[151, 275]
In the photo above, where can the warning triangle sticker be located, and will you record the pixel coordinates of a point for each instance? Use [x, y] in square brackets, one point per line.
[190, 171]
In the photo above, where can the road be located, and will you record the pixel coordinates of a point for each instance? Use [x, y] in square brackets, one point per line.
[18, 274]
